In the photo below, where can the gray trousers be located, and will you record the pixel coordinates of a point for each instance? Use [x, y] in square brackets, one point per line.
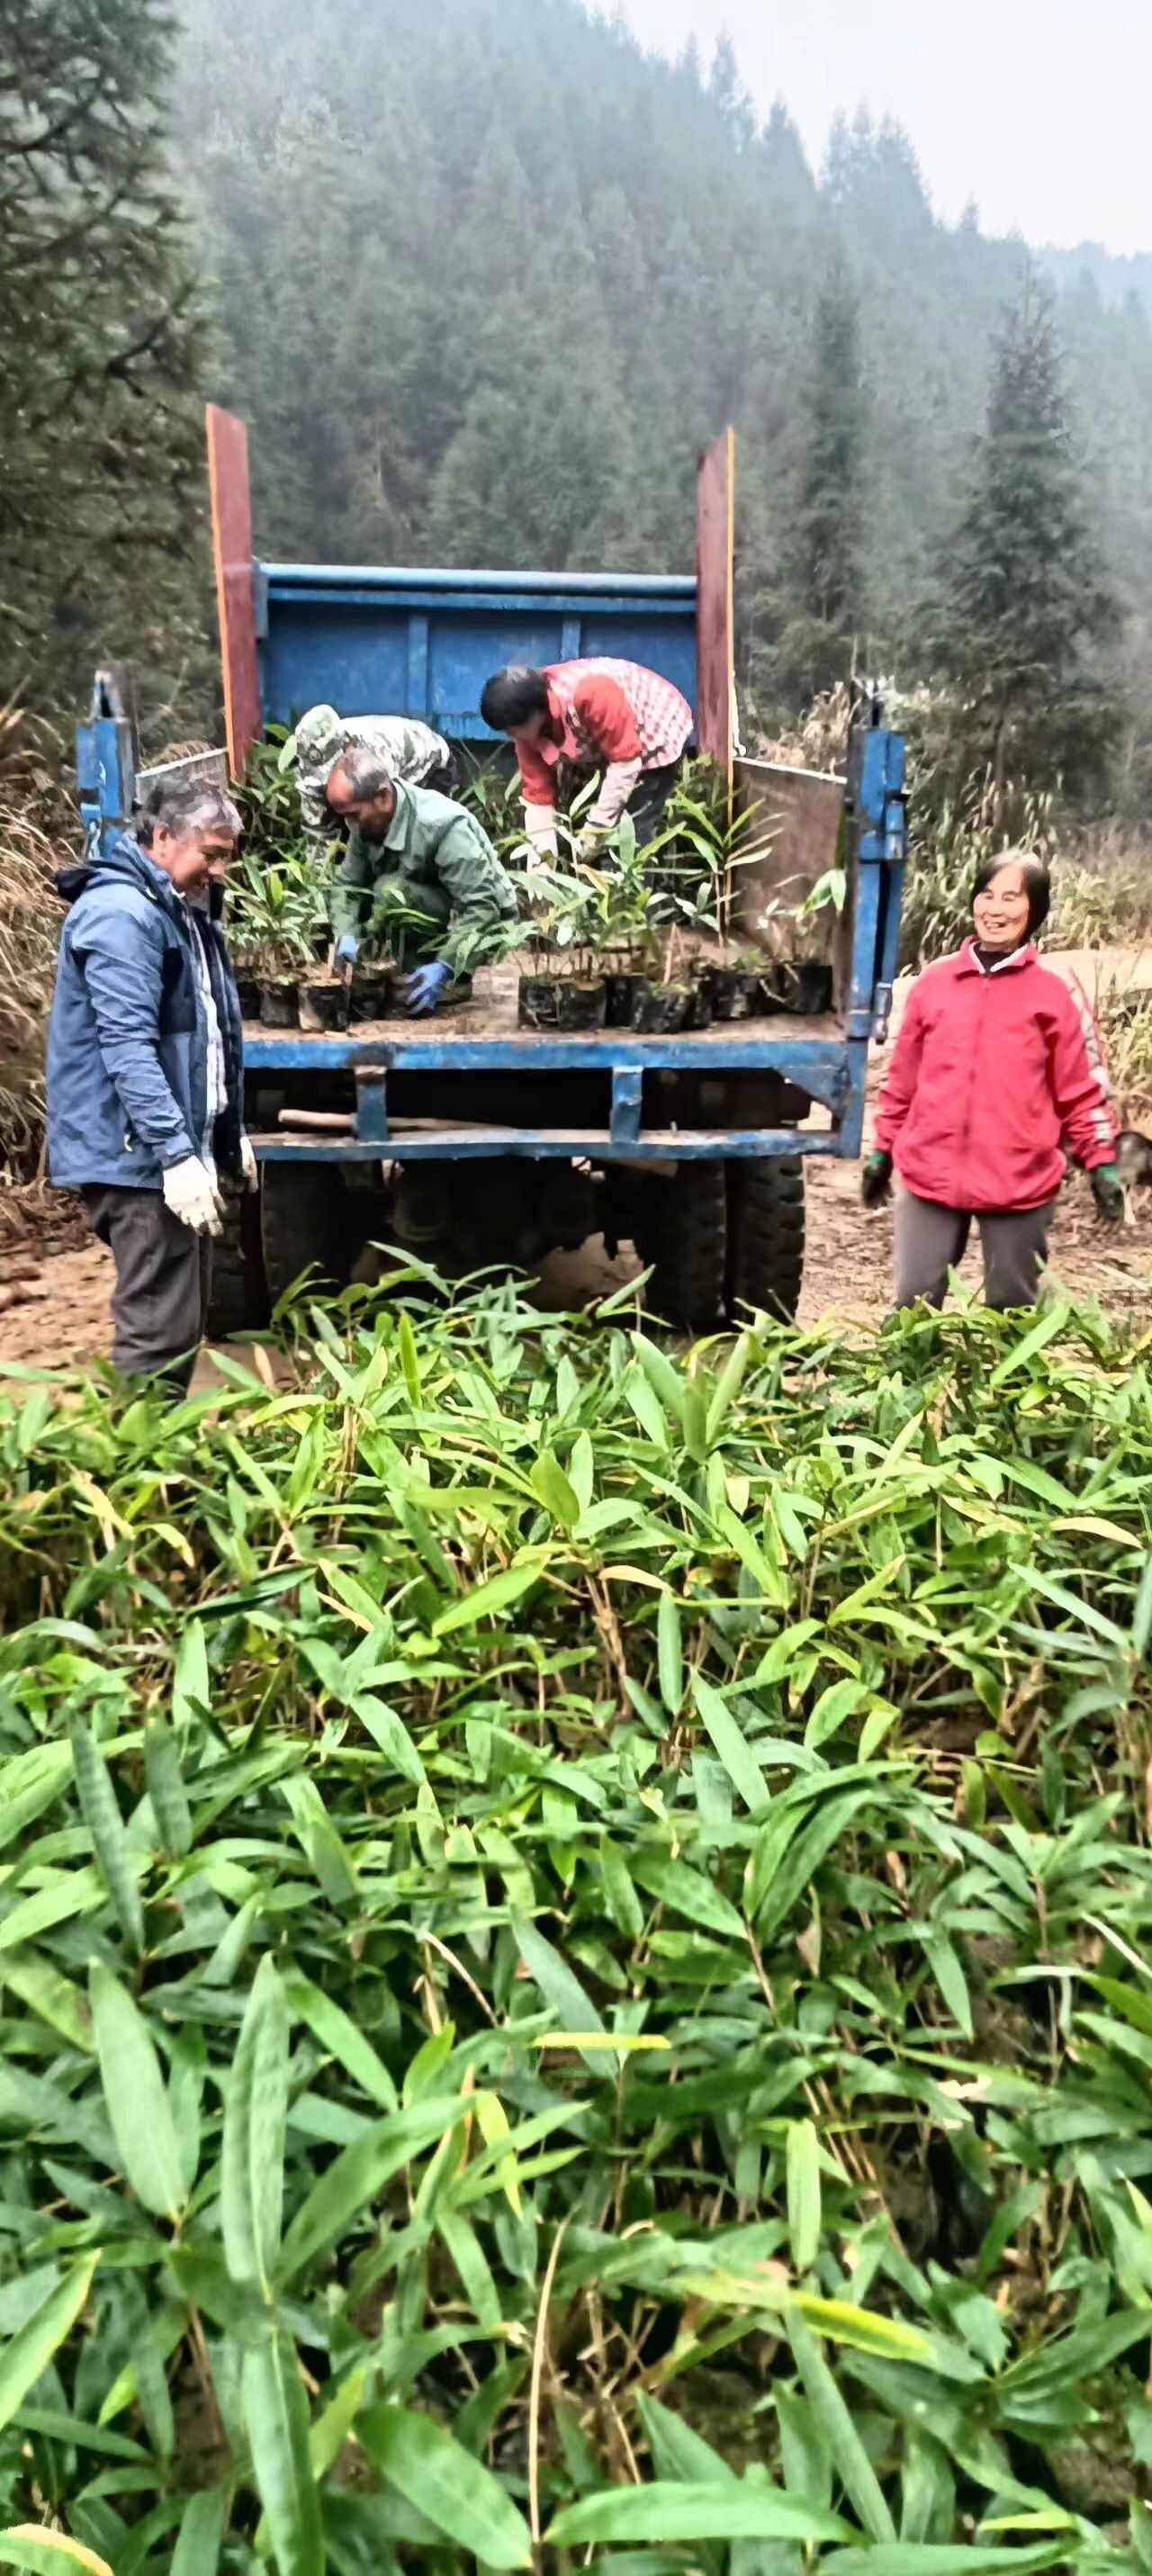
[930, 1240]
[163, 1279]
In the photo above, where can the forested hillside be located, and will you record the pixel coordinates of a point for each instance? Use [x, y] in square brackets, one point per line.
[489, 276]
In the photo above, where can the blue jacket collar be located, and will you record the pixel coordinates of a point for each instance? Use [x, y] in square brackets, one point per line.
[125, 861]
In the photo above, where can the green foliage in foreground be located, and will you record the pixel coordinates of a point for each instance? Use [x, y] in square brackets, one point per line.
[574, 1931]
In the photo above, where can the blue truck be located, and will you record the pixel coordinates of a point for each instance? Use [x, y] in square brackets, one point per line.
[468, 1138]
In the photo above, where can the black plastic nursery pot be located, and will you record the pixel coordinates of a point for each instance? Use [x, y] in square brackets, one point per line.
[248, 994]
[369, 998]
[580, 1004]
[561, 1002]
[813, 987]
[802, 985]
[735, 992]
[700, 1012]
[620, 990]
[323, 1006]
[662, 1009]
[279, 1007]
[537, 1002]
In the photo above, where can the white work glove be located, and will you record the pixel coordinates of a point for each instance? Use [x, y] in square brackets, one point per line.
[591, 843]
[540, 826]
[249, 1167]
[192, 1196]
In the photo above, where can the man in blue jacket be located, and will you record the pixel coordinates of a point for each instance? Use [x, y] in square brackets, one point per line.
[145, 1070]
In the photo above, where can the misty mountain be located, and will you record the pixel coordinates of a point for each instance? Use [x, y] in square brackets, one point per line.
[488, 277]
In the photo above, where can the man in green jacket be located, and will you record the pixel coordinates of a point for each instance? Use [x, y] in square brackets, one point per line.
[417, 869]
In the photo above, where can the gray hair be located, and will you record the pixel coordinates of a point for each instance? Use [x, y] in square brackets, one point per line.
[367, 775]
[197, 806]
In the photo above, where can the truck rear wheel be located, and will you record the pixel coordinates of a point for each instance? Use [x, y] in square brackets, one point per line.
[303, 1225]
[765, 1236]
[682, 1231]
[239, 1300]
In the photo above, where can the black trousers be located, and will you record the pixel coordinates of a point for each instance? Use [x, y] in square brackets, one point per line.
[442, 780]
[648, 803]
[163, 1282]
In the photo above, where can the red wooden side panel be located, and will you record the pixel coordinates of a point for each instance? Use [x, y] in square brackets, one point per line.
[715, 618]
[232, 555]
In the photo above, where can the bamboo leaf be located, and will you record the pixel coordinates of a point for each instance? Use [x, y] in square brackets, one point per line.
[453, 2491]
[53, 1996]
[849, 2456]
[670, 1652]
[391, 1735]
[191, 1685]
[688, 1893]
[739, 1762]
[803, 2163]
[25, 2357]
[354, 2177]
[166, 1787]
[201, 2537]
[48, 2553]
[720, 2511]
[486, 1598]
[409, 1359]
[276, 2421]
[552, 1488]
[559, 1987]
[252, 2154]
[928, 2558]
[338, 2034]
[728, 1386]
[137, 2098]
[115, 1858]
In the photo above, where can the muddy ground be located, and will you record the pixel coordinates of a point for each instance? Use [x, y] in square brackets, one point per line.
[55, 1283]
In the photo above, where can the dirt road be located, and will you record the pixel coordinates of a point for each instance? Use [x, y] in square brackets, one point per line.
[62, 1316]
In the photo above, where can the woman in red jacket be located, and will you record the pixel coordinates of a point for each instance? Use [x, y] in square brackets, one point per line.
[995, 1077]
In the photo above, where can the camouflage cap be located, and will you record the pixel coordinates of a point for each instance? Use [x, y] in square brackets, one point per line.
[319, 739]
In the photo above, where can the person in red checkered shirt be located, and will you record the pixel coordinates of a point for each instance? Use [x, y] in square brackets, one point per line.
[611, 715]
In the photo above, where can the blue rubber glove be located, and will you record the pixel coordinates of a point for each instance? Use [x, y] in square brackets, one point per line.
[347, 949]
[422, 990]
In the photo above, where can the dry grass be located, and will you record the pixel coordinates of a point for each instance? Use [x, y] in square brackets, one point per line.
[1105, 900]
[819, 738]
[38, 831]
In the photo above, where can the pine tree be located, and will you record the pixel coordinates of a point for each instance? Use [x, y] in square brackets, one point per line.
[816, 647]
[1024, 599]
[99, 429]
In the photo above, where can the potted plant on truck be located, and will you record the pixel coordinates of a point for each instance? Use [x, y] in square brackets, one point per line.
[567, 990]
[700, 852]
[273, 910]
[801, 941]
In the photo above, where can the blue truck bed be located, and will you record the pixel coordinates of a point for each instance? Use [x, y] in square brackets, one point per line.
[815, 1057]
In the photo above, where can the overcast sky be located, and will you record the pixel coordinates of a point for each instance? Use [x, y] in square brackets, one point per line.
[1041, 110]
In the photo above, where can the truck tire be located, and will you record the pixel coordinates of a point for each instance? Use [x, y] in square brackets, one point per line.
[765, 1236]
[303, 1225]
[239, 1299]
[681, 1230]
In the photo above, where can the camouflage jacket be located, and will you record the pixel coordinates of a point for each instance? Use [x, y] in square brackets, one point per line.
[431, 843]
[411, 751]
